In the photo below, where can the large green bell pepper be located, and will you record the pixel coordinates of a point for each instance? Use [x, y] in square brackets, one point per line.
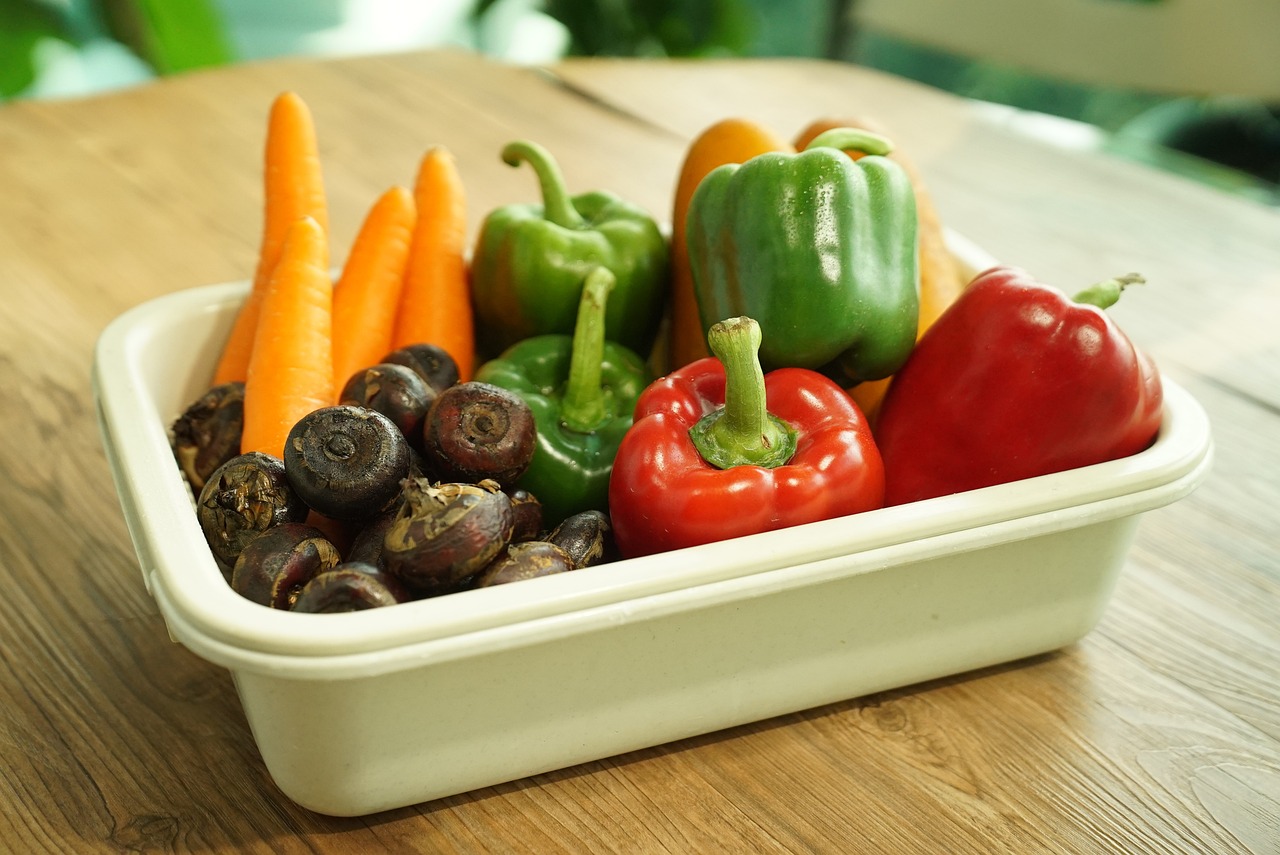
[582, 390]
[818, 248]
[530, 262]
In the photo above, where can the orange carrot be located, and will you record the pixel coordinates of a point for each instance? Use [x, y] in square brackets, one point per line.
[727, 141]
[293, 188]
[367, 295]
[291, 370]
[435, 305]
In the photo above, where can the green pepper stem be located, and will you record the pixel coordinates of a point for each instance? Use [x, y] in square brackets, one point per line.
[1105, 294]
[743, 431]
[556, 205]
[582, 406]
[851, 139]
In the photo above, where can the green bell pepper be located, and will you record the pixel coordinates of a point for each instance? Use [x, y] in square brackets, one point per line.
[582, 390]
[530, 262]
[818, 248]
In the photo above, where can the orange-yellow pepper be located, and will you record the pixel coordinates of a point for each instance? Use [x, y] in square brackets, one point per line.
[732, 140]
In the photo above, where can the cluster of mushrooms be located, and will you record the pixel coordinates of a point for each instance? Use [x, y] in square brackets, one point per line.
[405, 489]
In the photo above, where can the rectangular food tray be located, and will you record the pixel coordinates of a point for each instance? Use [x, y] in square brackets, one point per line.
[551, 672]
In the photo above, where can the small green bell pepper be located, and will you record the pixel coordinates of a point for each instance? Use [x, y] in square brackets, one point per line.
[530, 262]
[818, 248]
[582, 390]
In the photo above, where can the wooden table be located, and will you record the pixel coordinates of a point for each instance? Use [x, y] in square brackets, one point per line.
[1159, 733]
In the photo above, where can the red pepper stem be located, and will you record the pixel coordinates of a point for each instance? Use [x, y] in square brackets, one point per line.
[582, 406]
[851, 139]
[742, 432]
[556, 205]
[1105, 294]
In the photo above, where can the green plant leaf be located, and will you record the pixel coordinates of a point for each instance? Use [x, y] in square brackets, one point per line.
[655, 27]
[170, 35]
[23, 24]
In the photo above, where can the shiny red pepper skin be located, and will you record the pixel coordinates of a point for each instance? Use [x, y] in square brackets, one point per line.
[663, 495]
[1014, 380]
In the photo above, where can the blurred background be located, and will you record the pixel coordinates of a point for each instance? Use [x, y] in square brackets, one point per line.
[1189, 86]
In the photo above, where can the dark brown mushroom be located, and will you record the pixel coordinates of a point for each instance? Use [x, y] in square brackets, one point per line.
[430, 362]
[476, 431]
[207, 434]
[346, 462]
[527, 560]
[445, 534]
[243, 498]
[366, 546]
[393, 390]
[528, 514]
[275, 565]
[587, 537]
[349, 587]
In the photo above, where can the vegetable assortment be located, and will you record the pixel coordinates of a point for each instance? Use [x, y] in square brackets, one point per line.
[431, 423]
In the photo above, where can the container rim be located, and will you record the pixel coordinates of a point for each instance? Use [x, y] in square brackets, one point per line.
[204, 614]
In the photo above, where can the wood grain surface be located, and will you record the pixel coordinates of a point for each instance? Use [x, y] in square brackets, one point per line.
[1158, 733]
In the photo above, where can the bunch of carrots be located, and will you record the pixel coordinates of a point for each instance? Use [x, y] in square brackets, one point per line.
[299, 335]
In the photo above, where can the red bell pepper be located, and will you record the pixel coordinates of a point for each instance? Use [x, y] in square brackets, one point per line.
[718, 450]
[1016, 380]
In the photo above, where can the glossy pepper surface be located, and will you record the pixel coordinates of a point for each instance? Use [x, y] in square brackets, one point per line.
[818, 248]
[730, 140]
[1016, 380]
[582, 391]
[940, 274]
[530, 262]
[720, 450]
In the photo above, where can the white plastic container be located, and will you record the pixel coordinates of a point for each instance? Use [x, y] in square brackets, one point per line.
[362, 712]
